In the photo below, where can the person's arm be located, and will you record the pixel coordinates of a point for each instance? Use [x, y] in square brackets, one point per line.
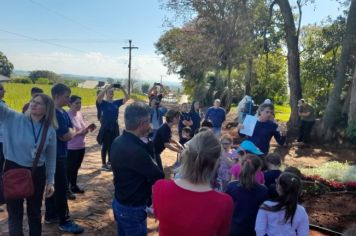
[261, 223]
[207, 114]
[280, 139]
[150, 90]
[172, 147]
[224, 117]
[51, 152]
[5, 112]
[164, 90]
[148, 168]
[64, 132]
[100, 96]
[127, 97]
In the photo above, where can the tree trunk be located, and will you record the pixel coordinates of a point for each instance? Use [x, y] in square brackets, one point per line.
[293, 62]
[352, 107]
[248, 77]
[332, 110]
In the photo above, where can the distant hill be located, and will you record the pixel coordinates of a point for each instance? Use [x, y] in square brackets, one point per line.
[171, 84]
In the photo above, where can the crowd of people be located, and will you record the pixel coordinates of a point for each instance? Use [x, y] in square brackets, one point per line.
[217, 189]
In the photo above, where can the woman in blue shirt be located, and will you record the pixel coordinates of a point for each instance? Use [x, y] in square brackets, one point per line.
[109, 129]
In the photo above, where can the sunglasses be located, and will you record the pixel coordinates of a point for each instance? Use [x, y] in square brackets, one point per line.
[226, 143]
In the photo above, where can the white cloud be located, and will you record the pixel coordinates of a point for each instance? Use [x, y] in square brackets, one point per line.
[146, 67]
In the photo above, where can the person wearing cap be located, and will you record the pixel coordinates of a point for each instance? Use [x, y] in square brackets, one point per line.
[265, 129]
[246, 147]
[307, 117]
[217, 115]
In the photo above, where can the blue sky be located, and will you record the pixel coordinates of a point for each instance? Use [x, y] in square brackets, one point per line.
[86, 36]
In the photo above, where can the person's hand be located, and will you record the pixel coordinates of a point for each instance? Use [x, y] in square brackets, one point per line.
[91, 127]
[240, 126]
[282, 130]
[49, 190]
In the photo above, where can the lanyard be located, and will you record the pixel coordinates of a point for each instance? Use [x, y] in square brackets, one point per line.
[36, 136]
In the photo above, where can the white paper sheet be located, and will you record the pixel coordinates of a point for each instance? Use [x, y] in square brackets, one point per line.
[249, 125]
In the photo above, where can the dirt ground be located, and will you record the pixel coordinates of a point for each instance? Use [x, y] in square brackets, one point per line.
[93, 211]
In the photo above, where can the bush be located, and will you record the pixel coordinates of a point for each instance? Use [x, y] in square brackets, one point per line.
[351, 131]
[21, 80]
[42, 81]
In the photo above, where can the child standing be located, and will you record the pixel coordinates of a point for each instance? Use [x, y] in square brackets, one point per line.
[248, 195]
[246, 147]
[227, 159]
[273, 164]
[284, 216]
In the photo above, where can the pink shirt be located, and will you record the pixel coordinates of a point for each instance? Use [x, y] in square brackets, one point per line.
[236, 169]
[78, 142]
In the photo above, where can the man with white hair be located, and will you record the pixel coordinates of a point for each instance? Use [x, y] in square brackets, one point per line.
[217, 116]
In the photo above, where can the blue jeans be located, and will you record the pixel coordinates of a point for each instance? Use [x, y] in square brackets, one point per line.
[217, 131]
[131, 221]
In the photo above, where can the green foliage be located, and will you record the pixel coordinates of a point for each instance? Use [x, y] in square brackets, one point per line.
[270, 78]
[71, 83]
[22, 80]
[282, 113]
[333, 170]
[351, 131]
[51, 76]
[321, 52]
[42, 81]
[6, 66]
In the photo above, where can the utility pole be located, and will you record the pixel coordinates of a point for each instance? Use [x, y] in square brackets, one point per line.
[129, 79]
[162, 78]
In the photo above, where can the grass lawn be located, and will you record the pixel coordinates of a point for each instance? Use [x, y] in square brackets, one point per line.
[17, 95]
[282, 112]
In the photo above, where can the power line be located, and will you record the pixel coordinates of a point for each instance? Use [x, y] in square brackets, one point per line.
[42, 41]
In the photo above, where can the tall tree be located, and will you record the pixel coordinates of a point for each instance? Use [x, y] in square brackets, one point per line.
[334, 103]
[293, 56]
[6, 66]
[352, 107]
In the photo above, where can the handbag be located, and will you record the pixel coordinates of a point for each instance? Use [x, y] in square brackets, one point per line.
[18, 183]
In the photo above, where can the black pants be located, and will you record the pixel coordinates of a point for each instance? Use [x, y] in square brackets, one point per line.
[57, 205]
[108, 139]
[33, 203]
[2, 159]
[305, 130]
[75, 158]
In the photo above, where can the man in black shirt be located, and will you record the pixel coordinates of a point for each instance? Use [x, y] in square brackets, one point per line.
[135, 171]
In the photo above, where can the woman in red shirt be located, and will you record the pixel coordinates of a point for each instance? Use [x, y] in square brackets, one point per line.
[189, 205]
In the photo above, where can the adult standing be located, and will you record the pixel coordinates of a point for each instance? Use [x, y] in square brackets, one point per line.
[157, 113]
[76, 146]
[2, 158]
[217, 115]
[135, 171]
[307, 117]
[154, 93]
[188, 205]
[195, 117]
[22, 137]
[184, 120]
[109, 129]
[57, 206]
[265, 129]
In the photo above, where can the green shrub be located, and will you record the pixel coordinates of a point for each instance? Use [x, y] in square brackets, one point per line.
[23, 80]
[351, 132]
[42, 81]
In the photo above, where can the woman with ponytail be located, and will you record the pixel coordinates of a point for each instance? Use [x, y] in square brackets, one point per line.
[188, 205]
[248, 195]
[283, 216]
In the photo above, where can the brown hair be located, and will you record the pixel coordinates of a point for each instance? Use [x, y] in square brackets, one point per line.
[294, 170]
[263, 106]
[250, 165]
[200, 158]
[171, 114]
[274, 159]
[50, 115]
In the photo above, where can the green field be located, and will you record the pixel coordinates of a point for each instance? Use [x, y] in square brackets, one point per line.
[17, 95]
[282, 112]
